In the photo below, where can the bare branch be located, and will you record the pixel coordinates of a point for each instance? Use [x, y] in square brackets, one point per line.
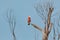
[12, 22]
[14, 37]
[50, 28]
[37, 27]
[40, 11]
[49, 16]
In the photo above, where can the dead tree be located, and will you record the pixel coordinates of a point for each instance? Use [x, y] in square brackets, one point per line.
[12, 22]
[45, 12]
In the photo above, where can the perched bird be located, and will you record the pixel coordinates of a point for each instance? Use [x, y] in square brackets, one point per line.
[29, 20]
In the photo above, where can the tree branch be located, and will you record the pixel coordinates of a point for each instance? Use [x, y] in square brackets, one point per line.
[37, 27]
[49, 16]
[50, 27]
[12, 22]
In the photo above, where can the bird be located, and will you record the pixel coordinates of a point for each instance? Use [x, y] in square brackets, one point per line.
[29, 20]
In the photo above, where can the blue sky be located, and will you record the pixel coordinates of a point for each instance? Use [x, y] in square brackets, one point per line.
[22, 9]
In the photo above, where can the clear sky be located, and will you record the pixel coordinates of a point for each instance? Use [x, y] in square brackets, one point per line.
[22, 9]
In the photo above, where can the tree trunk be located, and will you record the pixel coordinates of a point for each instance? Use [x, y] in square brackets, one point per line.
[45, 38]
[45, 35]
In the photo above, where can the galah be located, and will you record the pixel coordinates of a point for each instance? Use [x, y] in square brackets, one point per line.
[29, 20]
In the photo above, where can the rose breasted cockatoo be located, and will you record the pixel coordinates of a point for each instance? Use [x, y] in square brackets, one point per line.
[29, 20]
